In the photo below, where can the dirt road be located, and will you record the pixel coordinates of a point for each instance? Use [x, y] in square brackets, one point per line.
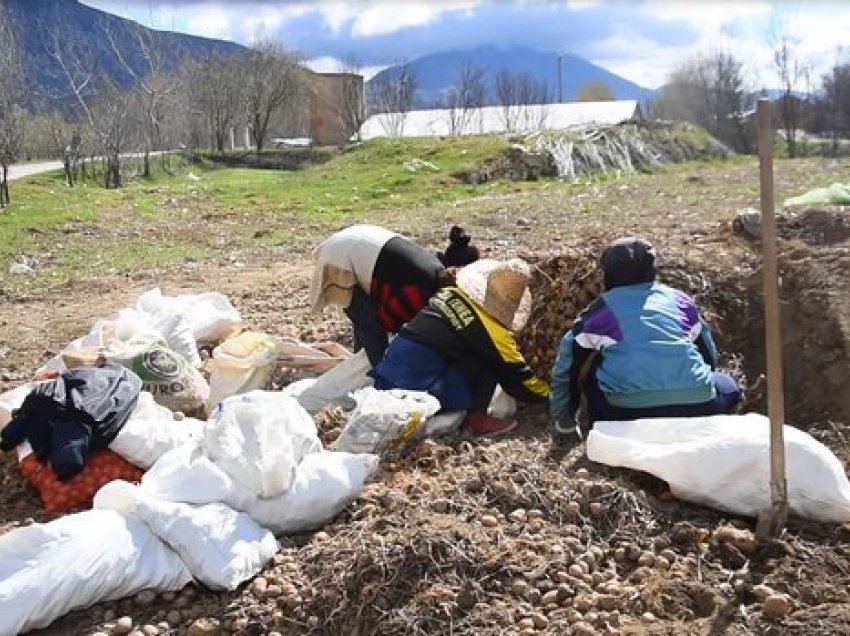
[28, 169]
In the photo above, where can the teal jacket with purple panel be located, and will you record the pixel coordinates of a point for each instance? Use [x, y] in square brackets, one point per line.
[655, 350]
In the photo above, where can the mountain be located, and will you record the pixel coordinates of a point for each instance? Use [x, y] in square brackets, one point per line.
[438, 72]
[81, 32]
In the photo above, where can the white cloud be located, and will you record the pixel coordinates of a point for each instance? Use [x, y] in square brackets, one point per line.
[380, 18]
[210, 21]
[332, 65]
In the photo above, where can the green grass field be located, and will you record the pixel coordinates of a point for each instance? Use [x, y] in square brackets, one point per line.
[202, 211]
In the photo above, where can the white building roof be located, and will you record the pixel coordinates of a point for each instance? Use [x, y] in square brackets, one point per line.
[494, 119]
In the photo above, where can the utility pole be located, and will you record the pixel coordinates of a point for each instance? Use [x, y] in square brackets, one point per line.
[560, 79]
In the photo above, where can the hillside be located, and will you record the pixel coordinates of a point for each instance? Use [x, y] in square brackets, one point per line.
[437, 72]
[82, 32]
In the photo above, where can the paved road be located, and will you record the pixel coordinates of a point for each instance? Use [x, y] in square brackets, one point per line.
[27, 169]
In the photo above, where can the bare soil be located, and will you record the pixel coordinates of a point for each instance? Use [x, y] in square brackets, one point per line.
[518, 535]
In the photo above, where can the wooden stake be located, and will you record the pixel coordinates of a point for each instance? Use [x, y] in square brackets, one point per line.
[772, 520]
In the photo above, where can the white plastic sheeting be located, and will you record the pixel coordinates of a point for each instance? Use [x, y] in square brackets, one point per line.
[491, 119]
[723, 462]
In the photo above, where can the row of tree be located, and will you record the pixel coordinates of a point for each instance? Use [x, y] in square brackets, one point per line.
[158, 104]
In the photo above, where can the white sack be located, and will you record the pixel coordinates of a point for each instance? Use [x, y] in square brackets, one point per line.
[241, 364]
[334, 386]
[385, 420]
[288, 414]
[325, 483]
[187, 475]
[47, 570]
[210, 314]
[151, 431]
[258, 439]
[221, 547]
[723, 462]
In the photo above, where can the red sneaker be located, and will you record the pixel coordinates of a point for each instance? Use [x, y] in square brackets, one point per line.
[482, 424]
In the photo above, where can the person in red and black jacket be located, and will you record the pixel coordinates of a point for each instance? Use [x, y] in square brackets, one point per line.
[379, 278]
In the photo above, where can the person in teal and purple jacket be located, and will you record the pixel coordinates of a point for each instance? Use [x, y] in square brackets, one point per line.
[639, 350]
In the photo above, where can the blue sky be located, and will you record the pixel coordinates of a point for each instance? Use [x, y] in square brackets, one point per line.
[642, 41]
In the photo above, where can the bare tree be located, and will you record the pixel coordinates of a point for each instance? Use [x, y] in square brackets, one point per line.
[273, 81]
[595, 91]
[216, 91]
[393, 95]
[352, 98]
[792, 71]
[836, 92]
[532, 100]
[506, 94]
[155, 86]
[708, 90]
[466, 97]
[11, 120]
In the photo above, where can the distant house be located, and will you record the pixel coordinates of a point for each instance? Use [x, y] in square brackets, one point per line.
[497, 119]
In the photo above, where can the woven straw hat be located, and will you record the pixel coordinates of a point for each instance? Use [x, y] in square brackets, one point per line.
[501, 287]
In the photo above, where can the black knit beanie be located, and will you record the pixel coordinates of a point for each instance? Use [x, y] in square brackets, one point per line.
[628, 261]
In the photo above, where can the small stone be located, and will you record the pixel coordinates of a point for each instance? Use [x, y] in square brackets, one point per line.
[173, 617]
[597, 509]
[440, 505]
[741, 538]
[145, 597]
[540, 621]
[273, 591]
[204, 627]
[668, 554]
[321, 535]
[150, 630]
[259, 586]
[607, 602]
[661, 563]
[535, 513]
[123, 625]
[108, 616]
[762, 591]
[647, 559]
[519, 587]
[550, 598]
[648, 617]
[776, 606]
[466, 597]
[518, 516]
[525, 623]
[489, 521]
[574, 509]
[583, 629]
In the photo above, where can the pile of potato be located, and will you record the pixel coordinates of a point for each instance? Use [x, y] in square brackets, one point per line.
[561, 287]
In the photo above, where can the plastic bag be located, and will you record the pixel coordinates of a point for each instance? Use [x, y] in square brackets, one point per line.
[47, 570]
[318, 358]
[502, 405]
[210, 315]
[335, 386]
[723, 462]
[151, 431]
[240, 364]
[324, 484]
[221, 547]
[385, 421]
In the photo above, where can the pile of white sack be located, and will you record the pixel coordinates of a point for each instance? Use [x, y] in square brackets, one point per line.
[215, 492]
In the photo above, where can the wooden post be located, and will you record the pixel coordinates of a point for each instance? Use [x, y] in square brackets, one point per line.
[772, 520]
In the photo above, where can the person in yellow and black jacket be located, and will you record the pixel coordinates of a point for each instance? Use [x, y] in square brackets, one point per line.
[461, 344]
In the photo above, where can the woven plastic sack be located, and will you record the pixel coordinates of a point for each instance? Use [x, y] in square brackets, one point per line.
[723, 461]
